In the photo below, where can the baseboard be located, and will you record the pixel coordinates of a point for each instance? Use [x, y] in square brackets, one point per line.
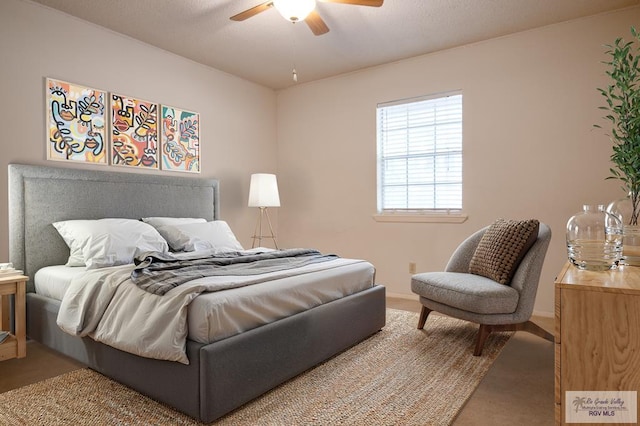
[544, 314]
[402, 296]
[415, 297]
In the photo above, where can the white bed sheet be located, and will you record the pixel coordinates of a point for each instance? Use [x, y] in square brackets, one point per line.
[53, 281]
[217, 315]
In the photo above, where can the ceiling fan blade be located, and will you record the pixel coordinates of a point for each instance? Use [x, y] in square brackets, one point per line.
[253, 11]
[316, 24]
[372, 3]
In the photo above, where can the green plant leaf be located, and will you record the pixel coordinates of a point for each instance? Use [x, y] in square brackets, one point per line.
[622, 112]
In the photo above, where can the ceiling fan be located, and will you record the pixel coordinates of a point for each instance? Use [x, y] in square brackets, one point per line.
[301, 10]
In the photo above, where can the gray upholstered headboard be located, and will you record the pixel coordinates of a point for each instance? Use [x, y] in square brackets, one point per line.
[39, 196]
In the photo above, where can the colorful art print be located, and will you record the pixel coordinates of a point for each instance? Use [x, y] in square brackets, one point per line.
[76, 119]
[180, 140]
[134, 132]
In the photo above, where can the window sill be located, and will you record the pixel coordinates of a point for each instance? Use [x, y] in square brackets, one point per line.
[420, 218]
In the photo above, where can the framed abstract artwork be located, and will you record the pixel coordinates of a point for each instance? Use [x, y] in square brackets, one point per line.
[76, 122]
[134, 132]
[180, 137]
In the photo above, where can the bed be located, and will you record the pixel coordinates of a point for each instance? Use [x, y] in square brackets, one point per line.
[221, 376]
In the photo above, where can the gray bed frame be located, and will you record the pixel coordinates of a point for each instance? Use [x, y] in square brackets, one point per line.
[222, 375]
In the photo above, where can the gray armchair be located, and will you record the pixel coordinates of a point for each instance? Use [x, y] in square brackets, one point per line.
[495, 306]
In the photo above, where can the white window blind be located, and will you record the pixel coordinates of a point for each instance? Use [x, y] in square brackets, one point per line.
[420, 154]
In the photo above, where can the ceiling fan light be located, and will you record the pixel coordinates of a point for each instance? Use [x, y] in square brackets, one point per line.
[294, 10]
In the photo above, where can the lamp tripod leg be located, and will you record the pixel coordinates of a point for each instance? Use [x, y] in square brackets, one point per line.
[257, 232]
[273, 237]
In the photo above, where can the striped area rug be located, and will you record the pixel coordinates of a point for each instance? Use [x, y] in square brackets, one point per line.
[399, 376]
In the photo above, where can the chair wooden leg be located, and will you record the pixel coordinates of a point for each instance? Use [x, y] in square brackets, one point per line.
[534, 328]
[483, 333]
[527, 326]
[424, 313]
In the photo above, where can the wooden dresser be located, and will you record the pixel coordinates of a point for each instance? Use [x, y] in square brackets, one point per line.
[597, 331]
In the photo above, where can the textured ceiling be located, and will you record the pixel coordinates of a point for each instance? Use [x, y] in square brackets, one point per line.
[264, 48]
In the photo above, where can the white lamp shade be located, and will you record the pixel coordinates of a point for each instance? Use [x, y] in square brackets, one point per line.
[294, 10]
[263, 191]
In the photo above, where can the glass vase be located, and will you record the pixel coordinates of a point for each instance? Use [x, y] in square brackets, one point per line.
[623, 208]
[594, 239]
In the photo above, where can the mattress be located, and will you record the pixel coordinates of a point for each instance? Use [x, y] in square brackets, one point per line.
[216, 315]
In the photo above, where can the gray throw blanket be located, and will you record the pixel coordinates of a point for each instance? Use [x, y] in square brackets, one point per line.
[158, 273]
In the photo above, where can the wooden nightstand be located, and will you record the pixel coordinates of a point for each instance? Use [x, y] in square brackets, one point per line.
[14, 346]
[597, 339]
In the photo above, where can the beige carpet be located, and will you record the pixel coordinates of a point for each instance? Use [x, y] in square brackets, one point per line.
[399, 376]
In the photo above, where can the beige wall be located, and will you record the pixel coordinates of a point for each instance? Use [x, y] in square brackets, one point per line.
[238, 118]
[530, 150]
[529, 106]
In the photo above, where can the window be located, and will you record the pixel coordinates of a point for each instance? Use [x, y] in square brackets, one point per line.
[420, 155]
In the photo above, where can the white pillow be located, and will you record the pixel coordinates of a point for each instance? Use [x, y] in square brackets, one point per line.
[214, 235]
[163, 221]
[108, 242]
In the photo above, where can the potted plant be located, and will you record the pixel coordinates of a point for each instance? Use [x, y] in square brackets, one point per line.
[622, 98]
